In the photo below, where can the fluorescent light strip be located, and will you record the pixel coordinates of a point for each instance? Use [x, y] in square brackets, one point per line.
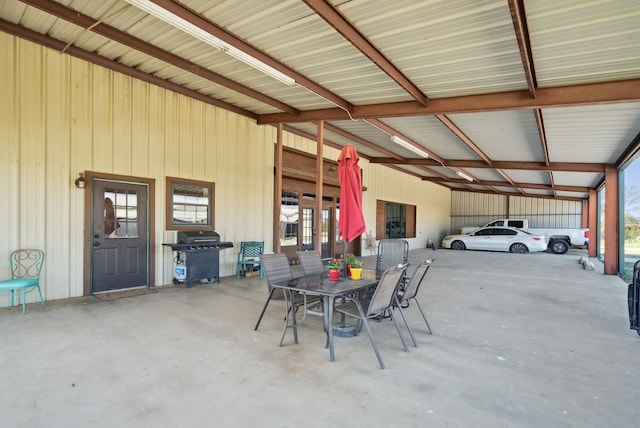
[197, 32]
[409, 146]
[463, 175]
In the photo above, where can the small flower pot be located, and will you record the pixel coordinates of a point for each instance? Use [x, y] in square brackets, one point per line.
[356, 273]
[334, 274]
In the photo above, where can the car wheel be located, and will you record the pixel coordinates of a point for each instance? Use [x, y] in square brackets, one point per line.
[519, 248]
[458, 245]
[559, 247]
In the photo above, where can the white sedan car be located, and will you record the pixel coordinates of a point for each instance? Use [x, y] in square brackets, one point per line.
[496, 239]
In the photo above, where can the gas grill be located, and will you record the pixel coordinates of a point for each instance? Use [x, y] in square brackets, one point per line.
[198, 252]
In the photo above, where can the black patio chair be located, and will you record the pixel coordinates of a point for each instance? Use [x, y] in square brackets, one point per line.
[277, 270]
[391, 252]
[363, 308]
[410, 291]
[311, 262]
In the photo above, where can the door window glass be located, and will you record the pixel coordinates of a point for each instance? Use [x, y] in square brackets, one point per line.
[289, 218]
[120, 214]
[307, 229]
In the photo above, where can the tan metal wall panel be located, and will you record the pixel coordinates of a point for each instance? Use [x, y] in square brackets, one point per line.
[432, 202]
[57, 171]
[475, 209]
[60, 115]
[140, 130]
[547, 213]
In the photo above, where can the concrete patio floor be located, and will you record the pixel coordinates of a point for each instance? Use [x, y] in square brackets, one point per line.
[519, 341]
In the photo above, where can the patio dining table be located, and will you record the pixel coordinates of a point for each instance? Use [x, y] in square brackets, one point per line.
[319, 285]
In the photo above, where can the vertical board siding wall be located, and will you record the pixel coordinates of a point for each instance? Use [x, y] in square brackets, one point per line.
[476, 209]
[60, 115]
[547, 213]
[433, 202]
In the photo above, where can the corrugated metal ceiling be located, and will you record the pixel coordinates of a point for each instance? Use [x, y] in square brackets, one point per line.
[500, 76]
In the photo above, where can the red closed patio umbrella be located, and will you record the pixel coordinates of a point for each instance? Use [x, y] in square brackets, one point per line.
[351, 223]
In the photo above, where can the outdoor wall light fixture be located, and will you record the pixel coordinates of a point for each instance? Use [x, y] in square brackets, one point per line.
[463, 175]
[409, 146]
[200, 34]
[80, 181]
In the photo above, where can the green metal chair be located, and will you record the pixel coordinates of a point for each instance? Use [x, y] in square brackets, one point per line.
[249, 255]
[26, 266]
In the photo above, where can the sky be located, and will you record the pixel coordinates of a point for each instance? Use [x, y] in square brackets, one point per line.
[632, 174]
[632, 178]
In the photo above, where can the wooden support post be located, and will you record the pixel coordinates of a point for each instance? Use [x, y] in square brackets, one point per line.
[277, 191]
[611, 221]
[594, 233]
[319, 185]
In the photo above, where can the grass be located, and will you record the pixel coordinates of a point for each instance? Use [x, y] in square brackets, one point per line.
[631, 254]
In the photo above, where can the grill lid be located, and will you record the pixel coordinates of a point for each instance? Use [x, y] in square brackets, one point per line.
[198, 237]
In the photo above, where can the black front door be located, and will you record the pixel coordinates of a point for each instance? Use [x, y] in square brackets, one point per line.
[120, 236]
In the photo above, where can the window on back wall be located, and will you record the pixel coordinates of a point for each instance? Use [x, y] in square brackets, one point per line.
[190, 204]
[395, 220]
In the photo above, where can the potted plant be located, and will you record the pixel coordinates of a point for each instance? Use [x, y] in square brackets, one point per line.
[356, 268]
[349, 260]
[334, 267]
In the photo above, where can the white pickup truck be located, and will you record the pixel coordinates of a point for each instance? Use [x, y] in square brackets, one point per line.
[559, 240]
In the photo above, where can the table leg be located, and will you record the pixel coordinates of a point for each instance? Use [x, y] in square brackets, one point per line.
[329, 304]
[325, 319]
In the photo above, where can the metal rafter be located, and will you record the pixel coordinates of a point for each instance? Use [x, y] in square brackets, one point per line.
[518, 15]
[534, 99]
[469, 143]
[520, 165]
[121, 37]
[206, 25]
[517, 185]
[543, 140]
[359, 140]
[621, 91]
[58, 45]
[334, 18]
[392, 131]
